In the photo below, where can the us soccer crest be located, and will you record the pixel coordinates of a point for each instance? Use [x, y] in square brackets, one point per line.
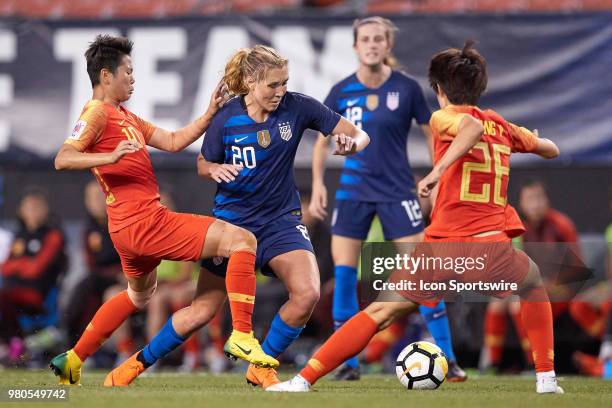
[372, 102]
[285, 131]
[263, 138]
[392, 100]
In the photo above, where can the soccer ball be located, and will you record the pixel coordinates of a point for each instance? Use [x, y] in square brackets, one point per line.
[421, 366]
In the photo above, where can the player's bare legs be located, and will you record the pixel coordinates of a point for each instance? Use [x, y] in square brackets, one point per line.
[209, 298]
[299, 273]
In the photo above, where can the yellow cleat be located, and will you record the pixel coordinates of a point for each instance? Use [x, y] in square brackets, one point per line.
[67, 366]
[261, 376]
[246, 347]
[127, 372]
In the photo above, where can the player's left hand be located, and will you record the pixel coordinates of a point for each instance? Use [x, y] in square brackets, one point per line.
[219, 97]
[345, 145]
[427, 184]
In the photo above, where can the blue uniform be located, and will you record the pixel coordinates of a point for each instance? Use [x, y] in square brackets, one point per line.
[263, 198]
[378, 180]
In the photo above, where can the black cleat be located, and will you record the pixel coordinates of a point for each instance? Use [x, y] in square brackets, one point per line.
[347, 373]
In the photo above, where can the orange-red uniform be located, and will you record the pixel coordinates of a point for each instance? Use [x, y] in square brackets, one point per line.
[143, 231]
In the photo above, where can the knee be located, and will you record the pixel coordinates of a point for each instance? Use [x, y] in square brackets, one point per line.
[142, 298]
[306, 299]
[243, 240]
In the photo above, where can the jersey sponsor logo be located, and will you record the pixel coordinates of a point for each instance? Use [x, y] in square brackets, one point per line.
[263, 138]
[392, 100]
[352, 102]
[78, 129]
[285, 131]
[372, 102]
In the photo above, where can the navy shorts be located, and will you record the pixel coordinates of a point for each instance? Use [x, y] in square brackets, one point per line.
[353, 219]
[283, 235]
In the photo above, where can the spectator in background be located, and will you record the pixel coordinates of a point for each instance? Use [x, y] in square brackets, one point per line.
[32, 271]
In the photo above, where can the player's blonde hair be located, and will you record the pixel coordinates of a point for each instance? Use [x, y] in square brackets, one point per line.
[250, 62]
[390, 30]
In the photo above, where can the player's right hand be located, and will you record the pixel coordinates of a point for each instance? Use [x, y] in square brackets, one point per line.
[225, 172]
[318, 201]
[124, 147]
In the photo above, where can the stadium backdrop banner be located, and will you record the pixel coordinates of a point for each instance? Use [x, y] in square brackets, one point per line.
[550, 72]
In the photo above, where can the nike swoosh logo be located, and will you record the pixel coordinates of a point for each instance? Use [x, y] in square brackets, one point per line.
[240, 140]
[415, 223]
[72, 381]
[352, 102]
[438, 314]
[247, 352]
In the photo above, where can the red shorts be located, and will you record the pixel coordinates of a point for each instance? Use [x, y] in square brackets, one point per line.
[493, 260]
[163, 235]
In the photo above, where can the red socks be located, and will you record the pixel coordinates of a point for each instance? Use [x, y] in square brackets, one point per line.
[240, 284]
[346, 342]
[538, 323]
[495, 334]
[106, 320]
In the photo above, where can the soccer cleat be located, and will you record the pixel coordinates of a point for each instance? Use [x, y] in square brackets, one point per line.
[455, 373]
[296, 384]
[125, 373]
[348, 373]
[67, 366]
[265, 377]
[548, 385]
[246, 347]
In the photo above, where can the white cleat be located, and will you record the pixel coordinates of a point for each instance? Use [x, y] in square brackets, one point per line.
[548, 385]
[296, 384]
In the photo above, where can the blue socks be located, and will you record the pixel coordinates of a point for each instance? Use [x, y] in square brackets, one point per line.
[163, 343]
[279, 337]
[345, 303]
[437, 324]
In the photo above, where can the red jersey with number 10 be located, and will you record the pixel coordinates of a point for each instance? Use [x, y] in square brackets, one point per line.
[471, 196]
[131, 189]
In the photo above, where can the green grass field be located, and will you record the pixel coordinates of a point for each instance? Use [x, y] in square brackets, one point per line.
[203, 390]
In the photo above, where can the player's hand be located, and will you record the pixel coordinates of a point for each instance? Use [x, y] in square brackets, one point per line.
[427, 184]
[124, 147]
[318, 201]
[219, 97]
[225, 172]
[345, 145]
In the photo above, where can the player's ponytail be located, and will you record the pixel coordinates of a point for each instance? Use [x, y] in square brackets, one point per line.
[250, 63]
[234, 75]
[390, 30]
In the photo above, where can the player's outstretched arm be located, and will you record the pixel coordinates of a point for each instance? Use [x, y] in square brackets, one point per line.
[470, 132]
[546, 148]
[349, 138]
[219, 172]
[179, 139]
[318, 199]
[69, 158]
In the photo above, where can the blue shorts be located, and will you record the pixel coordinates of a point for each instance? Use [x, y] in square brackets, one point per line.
[285, 234]
[353, 219]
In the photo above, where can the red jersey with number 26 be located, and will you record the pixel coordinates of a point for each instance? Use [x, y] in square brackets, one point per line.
[471, 196]
[131, 189]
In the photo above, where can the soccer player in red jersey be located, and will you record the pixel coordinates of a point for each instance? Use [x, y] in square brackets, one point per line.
[469, 181]
[111, 141]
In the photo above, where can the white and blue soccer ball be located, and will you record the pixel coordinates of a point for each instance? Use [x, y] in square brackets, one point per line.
[421, 366]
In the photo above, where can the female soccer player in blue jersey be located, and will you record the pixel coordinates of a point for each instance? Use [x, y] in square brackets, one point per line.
[377, 181]
[249, 150]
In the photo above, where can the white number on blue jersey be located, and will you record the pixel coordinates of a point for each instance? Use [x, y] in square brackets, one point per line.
[303, 230]
[355, 115]
[413, 209]
[244, 157]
